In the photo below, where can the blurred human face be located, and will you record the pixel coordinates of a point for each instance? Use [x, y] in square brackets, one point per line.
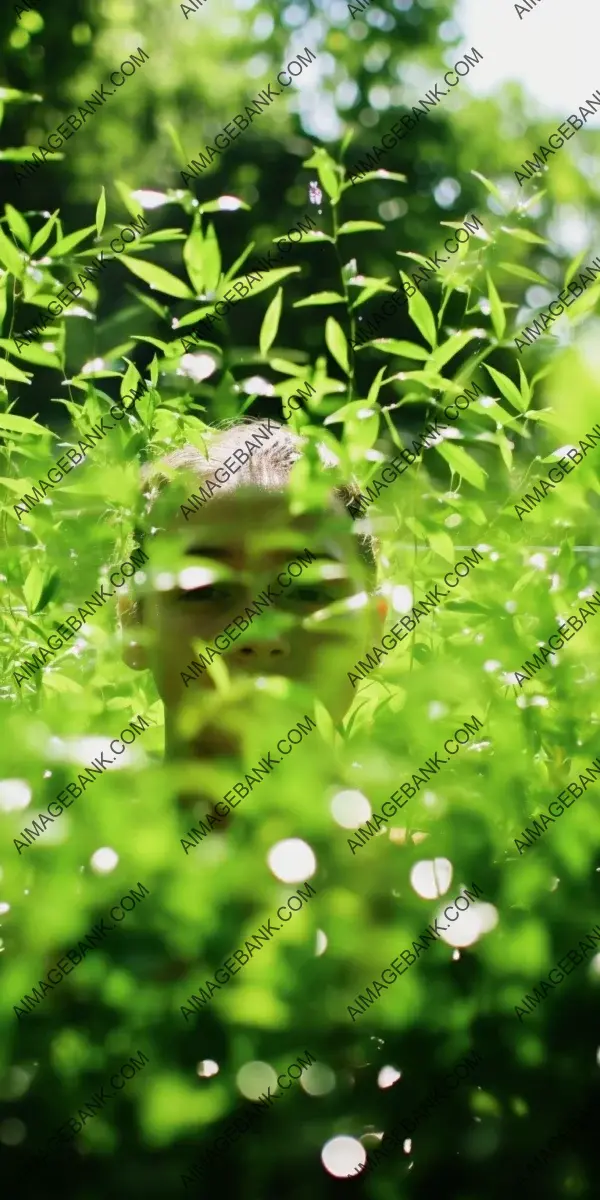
[219, 561]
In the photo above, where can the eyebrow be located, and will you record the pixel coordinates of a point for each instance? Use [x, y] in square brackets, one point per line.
[220, 553]
[216, 552]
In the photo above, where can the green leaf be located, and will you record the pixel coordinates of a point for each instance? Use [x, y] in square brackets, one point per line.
[270, 325]
[361, 427]
[505, 452]
[157, 278]
[284, 367]
[12, 96]
[359, 226]
[212, 259]
[463, 464]
[193, 256]
[10, 256]
[32, 588]
[32, 353]
[525, 388]
[130, 380]
[64, 245]
[239, 261]
[491, 187]
[573, 267]
[442, 544]
[372, 288]
[21, 424]
[54, 681]
[8, 371]
[347, 138]
[315, 235]
[379, 174]
[267, 281]
[43, 234]
[101, 212]
[509, 389]
[392, 346]
[192, 317]
[457, 342]
[142, 337]
[535, 198]
[161, 310]
[17, 486]
[18, 225]
[22, 154]
[421, 314]
[429, 378]
[153, 237]
[420, 258]
[319, 298]
[523, 273]
[375, 386]
[525, 235]
[328, 177]
[327, 171]
[130, 201]
[497, 310]
[223, 204]
[337, 344]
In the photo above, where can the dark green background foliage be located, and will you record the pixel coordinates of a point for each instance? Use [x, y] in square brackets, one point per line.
[126, 996]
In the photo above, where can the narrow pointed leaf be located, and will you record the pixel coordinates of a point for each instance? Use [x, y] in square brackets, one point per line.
[42, 235]
[193, 257]
[319, 298]
[8, 371]
[21, 424]
[523, 273]
[524, 235]
[525, 388]
[374, 388]
[381, 173]
[64, 245]
[270, 325]
[573, 267]
[18, 225]
[509, 389]
[212, 263]
[101, 212]
[421, 314]
[442, 543]
[337, 344]
[401, 348]
[359, 226]
[491, 188]
[463, 464]
[266, 281]
[497, 311]
[10, 256]
[157, 278]
[457, 342]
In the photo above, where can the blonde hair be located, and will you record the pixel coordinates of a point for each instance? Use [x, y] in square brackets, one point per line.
[269, 467]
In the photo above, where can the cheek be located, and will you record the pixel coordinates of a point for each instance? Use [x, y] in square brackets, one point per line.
[173, 632]
[326, 659]
[176, 626]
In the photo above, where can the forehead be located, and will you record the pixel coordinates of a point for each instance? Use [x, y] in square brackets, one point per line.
[253, 524]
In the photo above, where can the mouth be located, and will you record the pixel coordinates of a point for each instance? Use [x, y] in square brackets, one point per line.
[215, 742]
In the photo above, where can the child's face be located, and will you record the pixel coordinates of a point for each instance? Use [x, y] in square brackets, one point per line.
[252, 533]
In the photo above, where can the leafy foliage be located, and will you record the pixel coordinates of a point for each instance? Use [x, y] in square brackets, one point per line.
[300, 324]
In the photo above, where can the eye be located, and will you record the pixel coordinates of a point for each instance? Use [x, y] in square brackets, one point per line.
[313, 595]
[214, 595]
